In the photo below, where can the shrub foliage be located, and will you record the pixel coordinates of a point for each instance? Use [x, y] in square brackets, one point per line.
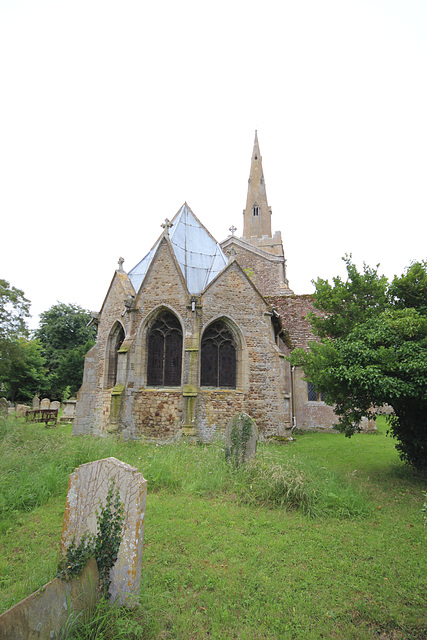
[373, 351]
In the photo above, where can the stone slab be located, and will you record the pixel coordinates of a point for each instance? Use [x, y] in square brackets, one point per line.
[45, 612]
[21, 410]
[244, 430]
[4, 406]
[69, 410]
[87, 488]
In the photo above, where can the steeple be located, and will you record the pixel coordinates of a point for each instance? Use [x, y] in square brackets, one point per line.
[257, 215]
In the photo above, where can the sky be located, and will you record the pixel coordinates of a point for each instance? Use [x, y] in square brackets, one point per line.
[113, 114]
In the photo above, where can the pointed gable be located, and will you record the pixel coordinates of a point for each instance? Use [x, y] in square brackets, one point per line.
[164, 277]
[199, 256]
[120, 288]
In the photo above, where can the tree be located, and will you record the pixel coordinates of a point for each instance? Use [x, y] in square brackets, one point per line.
[14, 311]
[21, 362]
[410, 290]
[65, 337]
[25, 372]
[375, 354]
[343, 305]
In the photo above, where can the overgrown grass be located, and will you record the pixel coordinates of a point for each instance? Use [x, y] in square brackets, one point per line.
[322, 538]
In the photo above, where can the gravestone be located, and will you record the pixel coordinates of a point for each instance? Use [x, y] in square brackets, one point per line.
[241, 437]
[45, 403]
[36, 403]
[69, 412]
[55, 405]
[4, 405]
[48, 611]
[21, 410]
[87, 491]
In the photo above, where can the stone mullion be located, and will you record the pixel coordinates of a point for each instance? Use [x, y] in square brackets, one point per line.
[191, 367]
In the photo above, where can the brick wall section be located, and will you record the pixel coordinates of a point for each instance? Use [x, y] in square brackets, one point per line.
[293, 310]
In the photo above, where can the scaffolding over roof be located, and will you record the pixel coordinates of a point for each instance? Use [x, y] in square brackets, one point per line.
[198, 254]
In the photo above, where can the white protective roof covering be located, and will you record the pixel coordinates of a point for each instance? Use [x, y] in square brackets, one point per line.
[199, 256]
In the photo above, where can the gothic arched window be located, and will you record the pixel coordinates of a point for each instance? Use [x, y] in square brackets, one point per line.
[115, 340]
[164, 351]
[218, 357]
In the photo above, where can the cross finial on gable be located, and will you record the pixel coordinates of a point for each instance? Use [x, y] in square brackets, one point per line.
[233, 229]
[121, 261]
[167, 224]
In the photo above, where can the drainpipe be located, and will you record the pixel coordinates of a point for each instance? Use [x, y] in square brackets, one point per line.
[293, 417]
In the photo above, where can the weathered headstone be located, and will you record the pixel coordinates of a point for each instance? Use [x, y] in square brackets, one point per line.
[55, 405]
[368, 426]
[48, 611]
[45, 403]
[21, 410]
[87, 490]
[4, 405]
[241, 437]
[69, 410]
[36, 403]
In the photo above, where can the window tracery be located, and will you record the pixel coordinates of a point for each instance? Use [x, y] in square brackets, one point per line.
[164, 360]
[218, 357]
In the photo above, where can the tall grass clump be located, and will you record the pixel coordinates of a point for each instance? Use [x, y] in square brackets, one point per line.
[293, 485]
[105, 621]
[36, 462]
[194, 469]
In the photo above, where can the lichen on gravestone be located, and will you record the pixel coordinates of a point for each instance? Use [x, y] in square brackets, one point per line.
[87, 488]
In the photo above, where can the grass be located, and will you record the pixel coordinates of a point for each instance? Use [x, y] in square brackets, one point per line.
[322, 538]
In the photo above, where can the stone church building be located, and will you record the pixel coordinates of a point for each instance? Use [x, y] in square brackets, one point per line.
[199, 331]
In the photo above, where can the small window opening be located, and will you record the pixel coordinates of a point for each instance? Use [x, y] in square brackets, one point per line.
[115, 341]
[255, 210]
[313, 395]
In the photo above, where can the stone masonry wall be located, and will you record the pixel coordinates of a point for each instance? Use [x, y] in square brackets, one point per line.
[92, 411]
[215, 409]
[310, 415]
[157, 413]
[86, 397]
[261, 376]
[266, 274]
[142, 411]
[153, 412]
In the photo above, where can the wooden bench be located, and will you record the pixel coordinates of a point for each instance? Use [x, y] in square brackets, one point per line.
[42, 415]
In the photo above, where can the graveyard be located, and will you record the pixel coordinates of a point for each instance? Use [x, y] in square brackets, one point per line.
[322, 537]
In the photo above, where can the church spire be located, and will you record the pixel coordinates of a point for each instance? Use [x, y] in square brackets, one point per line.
[257, 215]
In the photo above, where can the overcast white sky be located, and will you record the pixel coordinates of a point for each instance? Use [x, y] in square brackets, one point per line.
[112, 114]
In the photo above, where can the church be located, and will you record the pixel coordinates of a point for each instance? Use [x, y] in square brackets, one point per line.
[198, 331]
